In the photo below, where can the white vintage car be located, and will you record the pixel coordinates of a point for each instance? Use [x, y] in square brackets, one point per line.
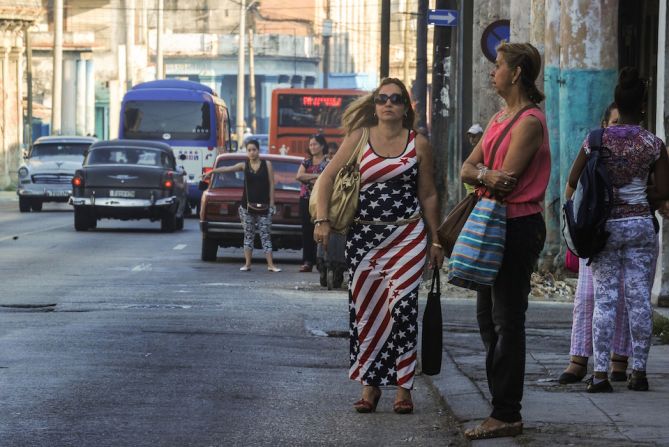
[47, 170]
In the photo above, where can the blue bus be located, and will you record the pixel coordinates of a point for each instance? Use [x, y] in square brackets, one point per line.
[187, 115]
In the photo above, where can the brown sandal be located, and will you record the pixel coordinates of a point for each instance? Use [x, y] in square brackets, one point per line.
[621, 374]
[504, 430]
[365, 406]
[403, 406]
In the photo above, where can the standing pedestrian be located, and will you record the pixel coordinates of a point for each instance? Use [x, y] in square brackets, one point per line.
[625, 266]
[584, 302]
[307, 173]
[519, 176]
[258, 190]
[387, 242]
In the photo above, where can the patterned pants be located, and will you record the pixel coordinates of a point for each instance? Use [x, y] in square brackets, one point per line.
[624, 267]
[581, 329]
[252, 223]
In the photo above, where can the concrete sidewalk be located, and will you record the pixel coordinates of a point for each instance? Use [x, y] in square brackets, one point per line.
[8, 196]
[553, 414]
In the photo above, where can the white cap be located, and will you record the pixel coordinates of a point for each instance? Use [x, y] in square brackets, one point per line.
[475, 129]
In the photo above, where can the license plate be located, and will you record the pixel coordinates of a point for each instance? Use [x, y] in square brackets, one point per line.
[121, 193]
[58, 193]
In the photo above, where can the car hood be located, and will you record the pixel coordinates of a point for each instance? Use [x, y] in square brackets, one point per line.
[57, 165]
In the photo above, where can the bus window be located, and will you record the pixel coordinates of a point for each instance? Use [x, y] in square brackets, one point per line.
[321, 111]
[182, 120]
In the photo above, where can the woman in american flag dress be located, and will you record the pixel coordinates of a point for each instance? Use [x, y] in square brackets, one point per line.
[388, 241]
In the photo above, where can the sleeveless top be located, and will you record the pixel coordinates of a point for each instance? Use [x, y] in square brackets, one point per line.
[634, 151]
[528, 196]
[256, 184]
[311, 168]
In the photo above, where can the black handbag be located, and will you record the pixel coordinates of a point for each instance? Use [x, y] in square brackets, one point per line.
[431, 341]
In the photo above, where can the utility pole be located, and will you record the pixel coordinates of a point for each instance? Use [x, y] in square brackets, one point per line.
[443, 121]
[56, 104]
[407, 59]
[385, 39]
[420, 85]
[160, 72]
[240, 73]
[327, 33]
[252, 78]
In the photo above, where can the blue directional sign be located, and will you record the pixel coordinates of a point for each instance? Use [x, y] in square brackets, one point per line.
[442, 17]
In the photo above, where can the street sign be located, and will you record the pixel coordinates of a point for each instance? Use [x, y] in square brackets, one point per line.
[442, 17]
[492, 36]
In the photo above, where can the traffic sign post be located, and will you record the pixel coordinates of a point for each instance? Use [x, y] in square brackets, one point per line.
[442, 17]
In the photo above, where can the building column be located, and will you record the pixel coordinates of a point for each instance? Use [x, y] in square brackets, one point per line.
[550, 259]
[660, 295]
[588, 71]
[90, 97]
[80, 97]
[4, 176]
[18, 55]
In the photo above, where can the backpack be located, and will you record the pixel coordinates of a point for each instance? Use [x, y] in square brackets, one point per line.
[584, 216]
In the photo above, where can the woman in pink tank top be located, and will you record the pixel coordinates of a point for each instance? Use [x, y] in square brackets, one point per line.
[519, 176]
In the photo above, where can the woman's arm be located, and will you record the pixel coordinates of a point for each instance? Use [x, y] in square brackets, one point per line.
[270, 174]
[575, 172]
[225, 169]
[326, 180]
[428, 198]
[305, 177]
[475, 172]
[526, 139]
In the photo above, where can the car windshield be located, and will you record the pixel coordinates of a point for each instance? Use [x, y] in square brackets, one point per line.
[58, 149]
[284, 176]
[129, 156]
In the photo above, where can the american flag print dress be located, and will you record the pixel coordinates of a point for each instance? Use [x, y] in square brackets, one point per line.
[386, 263]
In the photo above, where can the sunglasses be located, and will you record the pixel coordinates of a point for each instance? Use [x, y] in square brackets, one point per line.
[395, 98]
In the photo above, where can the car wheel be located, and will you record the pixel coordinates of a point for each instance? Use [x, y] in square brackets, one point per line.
[82, 221]
[168, 223]
[36, 205]
[24, 205]
[209, 249]
[180, 223]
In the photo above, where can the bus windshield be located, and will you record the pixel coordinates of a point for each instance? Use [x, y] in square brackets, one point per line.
[306, 110]
[152, 120]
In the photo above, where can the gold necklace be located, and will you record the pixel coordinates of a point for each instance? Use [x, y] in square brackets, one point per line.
[508, 113]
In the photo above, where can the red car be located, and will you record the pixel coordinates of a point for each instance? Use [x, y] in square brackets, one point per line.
[219, 208]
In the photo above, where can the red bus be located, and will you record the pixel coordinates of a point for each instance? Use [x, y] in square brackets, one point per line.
[299, 112]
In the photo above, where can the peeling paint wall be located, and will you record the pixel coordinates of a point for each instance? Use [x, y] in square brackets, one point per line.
[485, 102]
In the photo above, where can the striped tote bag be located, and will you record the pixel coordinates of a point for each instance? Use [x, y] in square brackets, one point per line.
[479, 249]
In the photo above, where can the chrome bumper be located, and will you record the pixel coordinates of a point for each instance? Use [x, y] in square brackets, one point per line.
[121, 202]
[44, 191]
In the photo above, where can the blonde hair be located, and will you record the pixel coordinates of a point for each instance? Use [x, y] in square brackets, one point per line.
[362, 112]
[527, 57]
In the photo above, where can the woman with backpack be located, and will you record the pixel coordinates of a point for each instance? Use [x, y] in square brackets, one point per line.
[623, 268]
[581, 329]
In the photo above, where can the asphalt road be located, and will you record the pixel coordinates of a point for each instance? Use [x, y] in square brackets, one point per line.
[121, 336]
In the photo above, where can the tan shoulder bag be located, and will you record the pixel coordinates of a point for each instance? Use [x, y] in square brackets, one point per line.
[345, 190]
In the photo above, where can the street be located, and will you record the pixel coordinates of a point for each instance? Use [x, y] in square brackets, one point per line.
[121, 336]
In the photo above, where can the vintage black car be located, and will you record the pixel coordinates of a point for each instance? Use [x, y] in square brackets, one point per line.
[129, 179]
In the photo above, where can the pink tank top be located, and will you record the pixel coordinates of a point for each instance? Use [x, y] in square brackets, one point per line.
[528, 196]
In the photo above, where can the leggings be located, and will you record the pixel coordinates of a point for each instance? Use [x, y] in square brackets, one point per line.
[252, 223]
[624, 269]
[581, 329]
